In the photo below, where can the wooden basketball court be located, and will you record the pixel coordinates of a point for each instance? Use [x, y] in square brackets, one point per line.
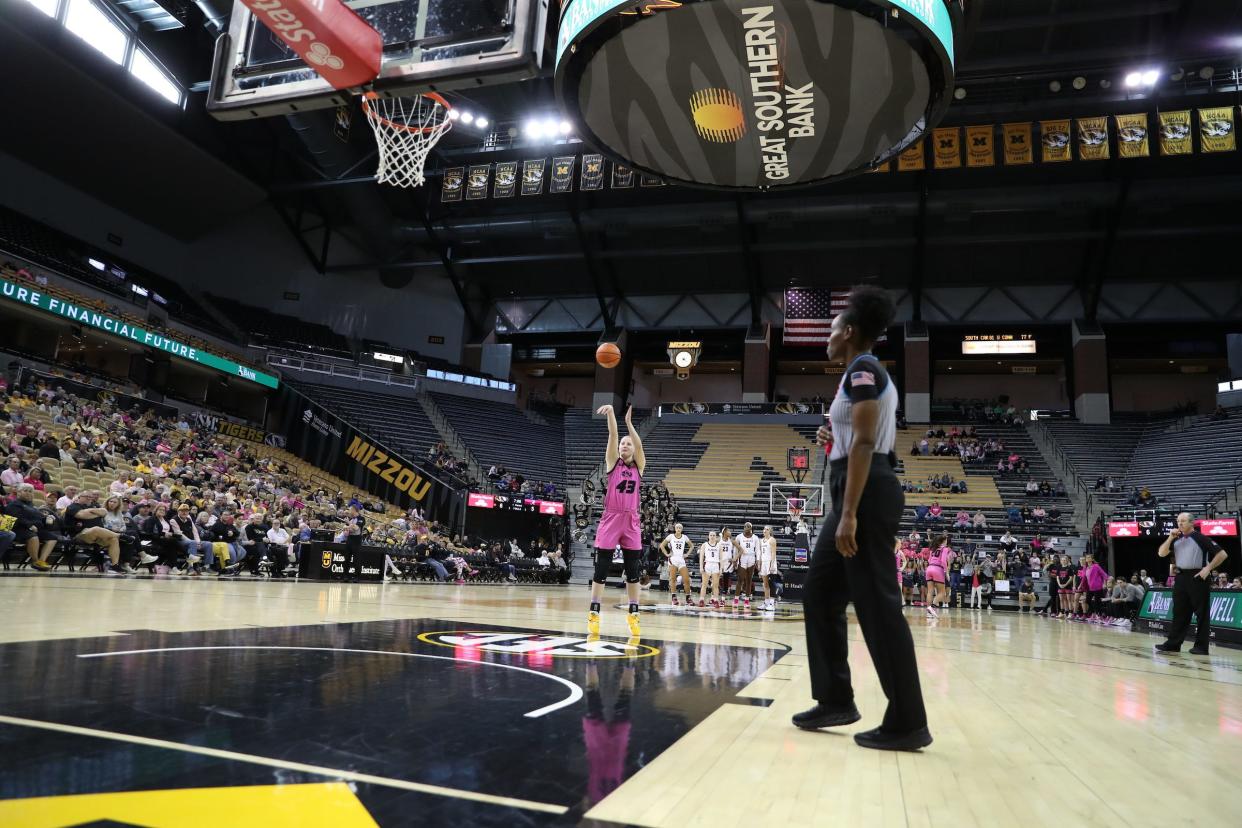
[165, 702]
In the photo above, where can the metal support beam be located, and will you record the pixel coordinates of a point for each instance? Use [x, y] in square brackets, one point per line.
[589, 260]
[754, 271]
[1098, 271]
[474, 327]
[918, 273]
[295, 230]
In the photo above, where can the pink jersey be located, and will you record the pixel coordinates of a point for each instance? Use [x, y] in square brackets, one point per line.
[623, 492]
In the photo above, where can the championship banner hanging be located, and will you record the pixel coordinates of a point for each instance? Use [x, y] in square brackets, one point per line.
[912, 159]
[1175, 133]
[1054, 137]
[532, 176]
[622, 177]
[476, 182]
[506, 179]
[1093, 139]
[645, 180]
[948, 148]
[562, 174]
[736, 94]
[450, 188]
[592, 175]
[1018, 148]
[1132, 139]
[1216, 130]
[980, 150]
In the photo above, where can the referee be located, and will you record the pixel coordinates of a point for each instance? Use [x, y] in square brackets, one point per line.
[853, 556]
[1195, 555]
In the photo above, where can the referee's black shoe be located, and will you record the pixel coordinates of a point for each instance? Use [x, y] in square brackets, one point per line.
[822, 715]
[1166, 647]
[1199, 651]
[881, 739]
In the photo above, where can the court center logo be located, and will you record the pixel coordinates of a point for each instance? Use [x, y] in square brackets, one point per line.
[542, 644]
[718, 115]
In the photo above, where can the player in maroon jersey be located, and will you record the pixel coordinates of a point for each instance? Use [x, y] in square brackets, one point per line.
[620, 525]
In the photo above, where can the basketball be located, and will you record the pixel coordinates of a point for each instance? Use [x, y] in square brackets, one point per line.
[608, 355]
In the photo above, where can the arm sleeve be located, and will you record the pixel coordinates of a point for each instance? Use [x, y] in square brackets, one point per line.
[865, 380]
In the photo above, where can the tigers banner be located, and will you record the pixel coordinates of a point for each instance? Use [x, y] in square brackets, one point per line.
[476, 182]
[1175, 129]
[1093, 138]
[881, 168]
[645, 180]
[948, 147]
[1132, 136]
[592, 175]
[980, 149]
[622, 177]
[450, 188]
[562, 174]
[912, 158]
[1216, 130]
[1054, 137]
[532, 176]
[505, 181]
[1018, 149]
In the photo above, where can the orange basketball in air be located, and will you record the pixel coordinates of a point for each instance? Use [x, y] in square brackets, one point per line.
[608, 355]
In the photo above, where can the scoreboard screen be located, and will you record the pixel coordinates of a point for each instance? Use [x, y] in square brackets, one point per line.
[515, 503]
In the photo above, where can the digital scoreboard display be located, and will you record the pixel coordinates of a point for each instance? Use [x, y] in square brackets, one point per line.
[515, 503]
[993, 344]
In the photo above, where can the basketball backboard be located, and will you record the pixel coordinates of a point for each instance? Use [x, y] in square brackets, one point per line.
[429, 45]
[809, 499]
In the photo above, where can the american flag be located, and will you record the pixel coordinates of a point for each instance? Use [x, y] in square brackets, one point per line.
[809, 313]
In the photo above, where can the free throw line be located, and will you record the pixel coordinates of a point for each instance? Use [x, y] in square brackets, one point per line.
[435, 790]
[575, 692]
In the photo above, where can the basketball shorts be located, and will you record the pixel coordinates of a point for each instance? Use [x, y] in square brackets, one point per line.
[936, 574]
[619, 529]
[768, 567]
[711, 568]
[746, 562]
[676, 563]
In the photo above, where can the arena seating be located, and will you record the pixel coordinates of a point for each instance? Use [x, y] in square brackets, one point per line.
[585, 436]
[1095, 451]
[50, 248]
[10, 271]
[266, 327]
[399, 422]
[500, 434]
[720, 473]
[1190, 464]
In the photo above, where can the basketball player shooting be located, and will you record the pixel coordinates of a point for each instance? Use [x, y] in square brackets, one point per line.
[619, 525]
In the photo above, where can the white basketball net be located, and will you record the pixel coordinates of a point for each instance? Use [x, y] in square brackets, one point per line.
[405, 131]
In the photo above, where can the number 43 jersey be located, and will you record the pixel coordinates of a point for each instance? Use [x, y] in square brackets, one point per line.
[623, 492]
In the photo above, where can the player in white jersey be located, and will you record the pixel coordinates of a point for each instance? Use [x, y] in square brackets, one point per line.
[728, 560]
[747, 545]
[767, 566]
[676, 548]
[709, 559]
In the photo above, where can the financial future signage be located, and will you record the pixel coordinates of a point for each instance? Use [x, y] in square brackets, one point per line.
[54, 305]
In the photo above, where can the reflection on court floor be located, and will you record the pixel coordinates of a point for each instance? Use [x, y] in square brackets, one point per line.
[430, 721]
[754, 612]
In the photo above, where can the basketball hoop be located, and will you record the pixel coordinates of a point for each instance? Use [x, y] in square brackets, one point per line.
[795, 506]
[406, 128]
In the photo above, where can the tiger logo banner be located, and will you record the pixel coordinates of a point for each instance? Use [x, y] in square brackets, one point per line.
[1132, 136]
[1054, 137]
[1216, 130]
[912, 158]
[1093, 138]
[1175, 133]
[947, 142]
[1018, 147]
[477, 180]
[980, 149]
[451, 186]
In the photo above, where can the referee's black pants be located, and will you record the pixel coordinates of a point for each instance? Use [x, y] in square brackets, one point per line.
[1191, 595]
[870, 580]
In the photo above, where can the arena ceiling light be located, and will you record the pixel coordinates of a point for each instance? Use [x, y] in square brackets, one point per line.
[1143, 77]
[95, 263]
